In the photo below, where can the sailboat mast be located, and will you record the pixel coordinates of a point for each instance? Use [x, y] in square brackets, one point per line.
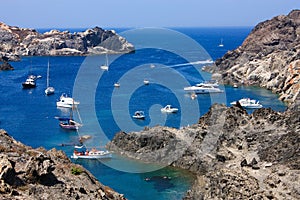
[48, 74]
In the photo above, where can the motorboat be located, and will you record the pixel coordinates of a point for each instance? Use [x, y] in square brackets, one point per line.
[84, 153]
[139, 115]
[117, 85]
[66, 102]
[248, 103]
[49, 90]
[29, 83]
[169, 109]
[193, 96]
[146, 82]
[204, 88]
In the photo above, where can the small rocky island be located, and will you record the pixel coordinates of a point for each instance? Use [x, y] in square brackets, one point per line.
[28, 173]
[269, 57]
[16, 42]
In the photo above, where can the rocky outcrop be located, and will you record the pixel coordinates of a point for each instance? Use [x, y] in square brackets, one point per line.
[16, 42]
[269, 57]
[27, 173]
[6, 66]
[235, 155]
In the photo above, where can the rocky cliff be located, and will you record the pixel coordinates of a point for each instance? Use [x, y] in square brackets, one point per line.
[269, 57]
[27, 173]
[235, 155]
[16, 42]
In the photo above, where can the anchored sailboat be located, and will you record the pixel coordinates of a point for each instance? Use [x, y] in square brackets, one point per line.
[49, 90]
[105, 66]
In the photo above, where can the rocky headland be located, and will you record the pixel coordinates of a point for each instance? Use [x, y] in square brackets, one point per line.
[16, 42]
[27, 173]
[234, 155]
[269, 57]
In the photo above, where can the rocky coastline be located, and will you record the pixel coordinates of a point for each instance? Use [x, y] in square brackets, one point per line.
[269, 57]
[27, 173]
[234, 155]
[16, 42]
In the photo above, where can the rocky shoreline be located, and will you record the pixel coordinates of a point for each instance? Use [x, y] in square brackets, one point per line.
[27, 173]
[235, 155]
[16, 42]
[269, 57]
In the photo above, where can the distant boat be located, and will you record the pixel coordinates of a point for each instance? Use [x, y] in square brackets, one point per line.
[204, 88]
[105, 66]
[66, 102]
[68, 122]
[29, 83]
[146, 82]
[49, 90]
[84, 153]
[221, 44]
[117, 84]
[248, 103]
[169, 109]
[139, 115]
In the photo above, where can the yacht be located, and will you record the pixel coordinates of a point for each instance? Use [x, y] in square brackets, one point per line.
[139, 115]
[248, 103]
[66, 102]
[204, 88]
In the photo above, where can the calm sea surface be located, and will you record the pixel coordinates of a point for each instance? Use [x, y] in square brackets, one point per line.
[29, 115]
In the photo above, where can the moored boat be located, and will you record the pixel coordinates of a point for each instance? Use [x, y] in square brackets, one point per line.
[248, 103]
[29, 83]
[139, 115]
[84, 153]
[66, 102]
[169, 109]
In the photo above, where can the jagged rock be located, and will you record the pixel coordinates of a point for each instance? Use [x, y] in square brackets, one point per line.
[211, 151]
[269, 57]
[6, 66]
[27, 173]
[15, 42]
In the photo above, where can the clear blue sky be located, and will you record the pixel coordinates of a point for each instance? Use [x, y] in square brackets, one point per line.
[141, 13]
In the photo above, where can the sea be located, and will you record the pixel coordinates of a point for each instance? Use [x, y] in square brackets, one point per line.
[30, 116]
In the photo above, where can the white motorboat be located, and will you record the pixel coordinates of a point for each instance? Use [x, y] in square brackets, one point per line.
[117, 85]
[139, 115]
[66, 102]
[146, 82]
[82, 152]
[29, 83]
[169, 109]
[204, 88]
[248, 103]
[49, 90]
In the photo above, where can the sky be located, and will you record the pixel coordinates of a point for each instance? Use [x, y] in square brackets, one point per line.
[141, 13]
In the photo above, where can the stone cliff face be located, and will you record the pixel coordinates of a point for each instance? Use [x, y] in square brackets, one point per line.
[27, 173]
[269, 57]
[233, 154]
[16, 42]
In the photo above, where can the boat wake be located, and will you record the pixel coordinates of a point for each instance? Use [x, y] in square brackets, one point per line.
[200, 62]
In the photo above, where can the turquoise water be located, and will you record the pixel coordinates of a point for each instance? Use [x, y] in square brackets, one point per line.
[29, 115]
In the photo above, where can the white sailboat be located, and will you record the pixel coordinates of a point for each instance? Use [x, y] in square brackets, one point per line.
[221, 44]
[49, 90]
[105, 66]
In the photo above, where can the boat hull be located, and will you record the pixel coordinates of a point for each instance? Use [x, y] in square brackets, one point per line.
[28, 86]
[49, 91]
[102, 155]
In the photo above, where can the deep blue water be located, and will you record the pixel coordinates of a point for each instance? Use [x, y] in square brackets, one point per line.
[28, 115]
